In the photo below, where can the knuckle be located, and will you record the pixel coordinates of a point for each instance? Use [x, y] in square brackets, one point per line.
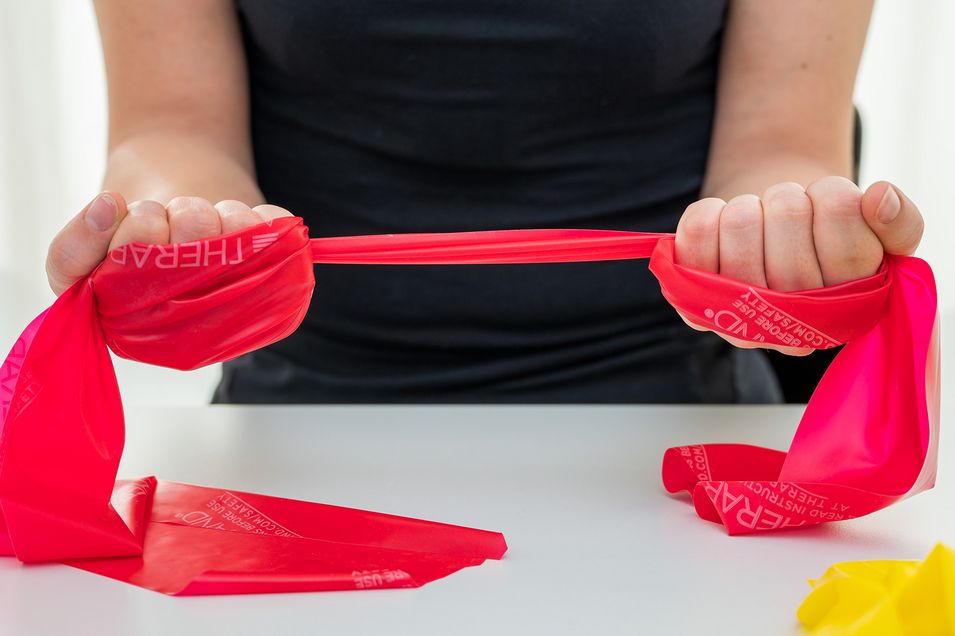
[194, 214]
[835, 198]
[782, 187]
[745, 200]
[231, 203]
[231, 207]
[742, 213]
[838, 206]
[832, 182]
[151, 229]
[269, 211]
[710, 204]
[178, 203]
[787, 203]
[698, 224]
[696, 231]
[188, 205]
[146, 207]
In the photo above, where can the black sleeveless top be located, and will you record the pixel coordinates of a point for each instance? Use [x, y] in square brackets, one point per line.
[374, 116]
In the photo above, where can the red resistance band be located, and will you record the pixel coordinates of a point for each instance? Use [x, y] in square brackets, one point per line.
[867, 438]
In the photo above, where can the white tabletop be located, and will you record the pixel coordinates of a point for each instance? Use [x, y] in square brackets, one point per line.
[596, 546]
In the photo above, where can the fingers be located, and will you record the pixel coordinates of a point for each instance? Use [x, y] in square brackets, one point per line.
[845, 246]
[107, 223]
[698, 235]
[741, 240]
[702, 235]
[698, 240]
[793, 239]
[235, 216]
[149, 221]
[268, 212]
[791, 263]
[80, 246]
[145, 222]
[893, 218]
[191, 219]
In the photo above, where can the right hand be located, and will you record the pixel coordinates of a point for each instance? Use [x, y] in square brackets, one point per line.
[107, 222]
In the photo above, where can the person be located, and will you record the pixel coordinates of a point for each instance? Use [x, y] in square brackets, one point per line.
[728, 122]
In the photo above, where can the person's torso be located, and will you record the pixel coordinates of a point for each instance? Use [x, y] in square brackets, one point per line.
[371, 116]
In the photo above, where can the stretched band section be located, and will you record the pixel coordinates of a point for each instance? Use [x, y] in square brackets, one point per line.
[491, 247]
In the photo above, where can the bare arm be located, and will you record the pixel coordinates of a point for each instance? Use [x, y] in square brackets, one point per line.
[178, 100]
[784, 106]
[780, 211]
[178, 134]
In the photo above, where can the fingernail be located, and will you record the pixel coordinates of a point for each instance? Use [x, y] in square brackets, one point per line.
[889, 207]
[101, 213]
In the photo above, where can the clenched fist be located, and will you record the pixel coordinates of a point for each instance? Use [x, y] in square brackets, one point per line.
[107, 222]
[794, 238]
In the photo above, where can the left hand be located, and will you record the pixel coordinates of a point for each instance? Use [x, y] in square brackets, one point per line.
[794, 238]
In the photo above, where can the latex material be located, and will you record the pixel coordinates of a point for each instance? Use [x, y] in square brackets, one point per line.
[884, 598]
[868, 437]
[192, 304]
[62, 436]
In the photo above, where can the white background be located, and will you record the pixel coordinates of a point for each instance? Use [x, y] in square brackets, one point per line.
[53, 122]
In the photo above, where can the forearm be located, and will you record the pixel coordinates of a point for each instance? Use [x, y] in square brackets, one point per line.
[162, 165]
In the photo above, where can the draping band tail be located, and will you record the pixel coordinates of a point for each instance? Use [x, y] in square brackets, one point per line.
[868, 436]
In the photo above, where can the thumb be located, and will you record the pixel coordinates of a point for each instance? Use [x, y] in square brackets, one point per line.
[80, 246]
[893, 217]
